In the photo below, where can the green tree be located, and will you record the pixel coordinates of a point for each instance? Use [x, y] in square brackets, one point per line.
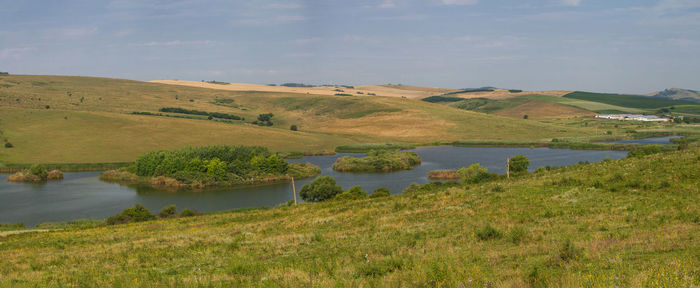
[293, 127]
[216, 168]
[321, 189]
[518, 164]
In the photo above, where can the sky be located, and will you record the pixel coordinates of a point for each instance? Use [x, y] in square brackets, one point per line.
[622, 46]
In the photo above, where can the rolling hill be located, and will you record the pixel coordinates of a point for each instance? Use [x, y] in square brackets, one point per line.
[677, 94]
[85, 119]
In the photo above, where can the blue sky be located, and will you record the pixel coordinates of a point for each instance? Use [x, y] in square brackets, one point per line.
[608, 46]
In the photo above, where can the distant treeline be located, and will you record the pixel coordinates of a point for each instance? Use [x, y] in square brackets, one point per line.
[469, 90]
[440, 98]
[4, 73]
[216, 82]
[297, 85]
[203, 113]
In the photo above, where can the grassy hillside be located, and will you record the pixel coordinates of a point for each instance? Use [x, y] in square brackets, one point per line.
[61, 119]
[626, 223]
[631, 101]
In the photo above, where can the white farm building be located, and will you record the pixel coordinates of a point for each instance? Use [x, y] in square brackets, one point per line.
[635, 117]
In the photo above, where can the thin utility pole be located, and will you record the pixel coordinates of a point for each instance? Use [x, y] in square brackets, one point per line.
[294, 191]
[508, 167]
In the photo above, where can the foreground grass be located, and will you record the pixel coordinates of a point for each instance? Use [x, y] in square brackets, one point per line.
[627, 223]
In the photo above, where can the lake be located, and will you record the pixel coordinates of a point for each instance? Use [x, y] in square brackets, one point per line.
[83, 195]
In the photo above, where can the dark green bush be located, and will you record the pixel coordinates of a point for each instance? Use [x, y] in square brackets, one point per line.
[265, 119]
[39, 170]
[188, 213]
[353, 193]
[168, 212]
[138, 213]
[9, 145]
[293, 127]
[380, 192]
[320, 189]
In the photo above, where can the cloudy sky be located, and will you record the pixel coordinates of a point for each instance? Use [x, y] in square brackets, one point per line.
[630, 46]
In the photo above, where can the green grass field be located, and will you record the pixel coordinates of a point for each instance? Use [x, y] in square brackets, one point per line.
[90, 120]
[626, 223]
[630, 101]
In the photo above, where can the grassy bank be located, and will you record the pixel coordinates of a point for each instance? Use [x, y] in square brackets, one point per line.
[366, 147]
[563, 144]
[66, 167]
[627, 223]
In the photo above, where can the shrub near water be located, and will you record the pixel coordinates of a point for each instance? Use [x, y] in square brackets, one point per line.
[321, 189]
[138, 213]
[378, 161]
[36, 173]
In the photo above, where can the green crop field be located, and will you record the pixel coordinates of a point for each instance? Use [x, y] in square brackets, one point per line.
[626, 223]
[59, 119]
[630, 101]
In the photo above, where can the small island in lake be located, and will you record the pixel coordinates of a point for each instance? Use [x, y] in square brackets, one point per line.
[210, 166]
[36, 173]
[378, 161]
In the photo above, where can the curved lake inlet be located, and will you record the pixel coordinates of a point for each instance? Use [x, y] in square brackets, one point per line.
[83, 195]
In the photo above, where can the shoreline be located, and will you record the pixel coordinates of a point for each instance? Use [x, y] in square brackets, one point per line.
[597, 143]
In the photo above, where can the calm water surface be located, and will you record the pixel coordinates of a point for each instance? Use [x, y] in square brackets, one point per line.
[655, 140]
[83, 195]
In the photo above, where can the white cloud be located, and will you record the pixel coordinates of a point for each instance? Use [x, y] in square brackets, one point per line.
[69, 33]
[410, 17]
[284, 6]
[306, 41]
[570, 2]
[677, 4]
[459, 2]
[15, 53]
[387, 4]
[173, 43]
[271, 21]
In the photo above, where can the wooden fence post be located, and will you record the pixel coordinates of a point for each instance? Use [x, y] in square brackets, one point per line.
[508, 167]
[294, 191]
